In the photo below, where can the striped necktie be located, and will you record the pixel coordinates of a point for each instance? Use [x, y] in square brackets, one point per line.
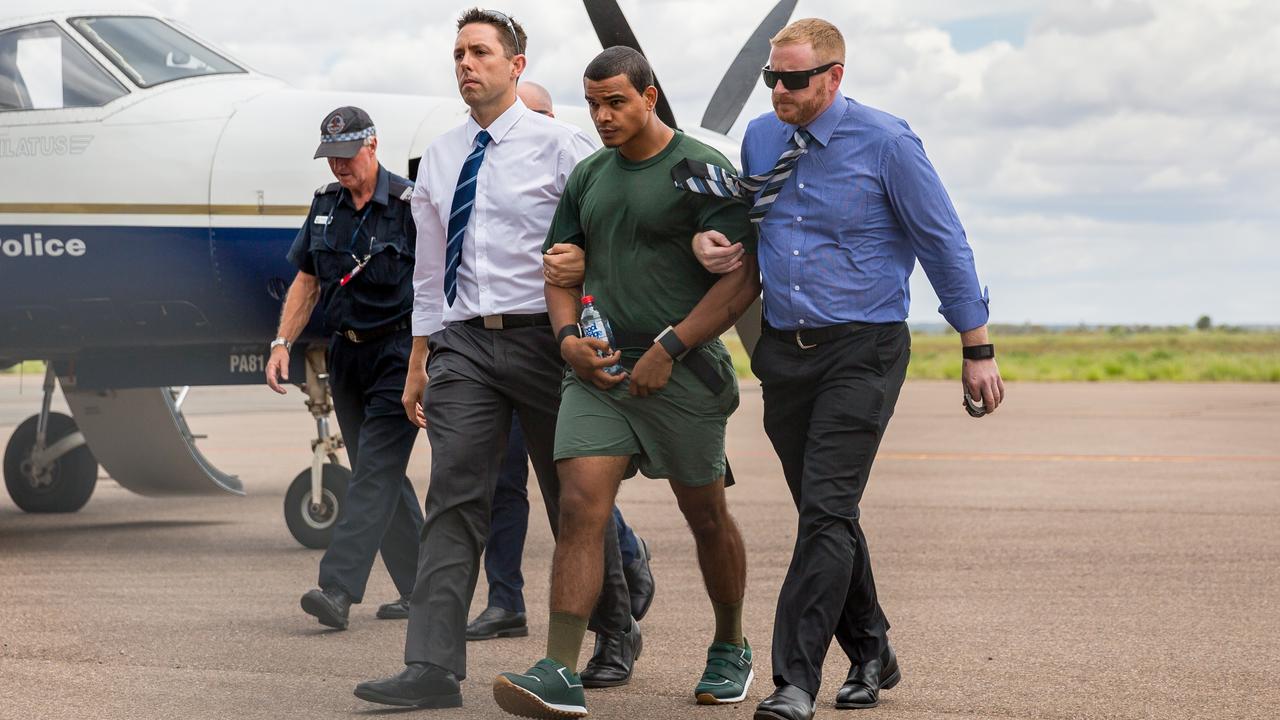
[464, 197]
[710, 179]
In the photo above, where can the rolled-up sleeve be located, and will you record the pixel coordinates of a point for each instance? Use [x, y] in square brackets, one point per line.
[932, 226]
[428, 266]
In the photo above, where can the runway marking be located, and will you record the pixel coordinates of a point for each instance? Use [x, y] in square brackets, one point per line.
[1071, 457]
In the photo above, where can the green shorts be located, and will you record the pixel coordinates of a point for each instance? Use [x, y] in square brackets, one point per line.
[676, 433]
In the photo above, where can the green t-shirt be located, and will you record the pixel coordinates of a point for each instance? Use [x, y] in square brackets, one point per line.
[636, 226]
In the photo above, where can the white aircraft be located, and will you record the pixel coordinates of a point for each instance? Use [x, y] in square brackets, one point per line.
[150, 186]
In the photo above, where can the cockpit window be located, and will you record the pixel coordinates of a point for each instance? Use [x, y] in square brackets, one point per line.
[150, 51]
[41, 68]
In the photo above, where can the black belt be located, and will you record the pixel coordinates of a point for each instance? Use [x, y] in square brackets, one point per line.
[509, 322]
[364, 336]
[813, 337]
[697, 362]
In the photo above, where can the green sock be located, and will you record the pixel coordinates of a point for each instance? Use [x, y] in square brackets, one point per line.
[728, 622]
[564, 638]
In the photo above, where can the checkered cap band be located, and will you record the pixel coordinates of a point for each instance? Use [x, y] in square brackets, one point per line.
[346, 137]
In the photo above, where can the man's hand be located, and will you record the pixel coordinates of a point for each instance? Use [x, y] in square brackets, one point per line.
[652, 372]
[716, 253]
[415, 384]
[278, 368]
[564, 265]
[580, 353]
[981, 379]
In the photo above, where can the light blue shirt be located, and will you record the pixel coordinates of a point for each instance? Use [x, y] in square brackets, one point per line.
[842, 238]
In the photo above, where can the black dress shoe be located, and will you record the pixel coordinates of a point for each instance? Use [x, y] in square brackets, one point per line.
[329, 606]
[419, 685]
[786, 703]
[866, 680]
[614, 657]
[640, 580]
[496, 622]
[397, 610]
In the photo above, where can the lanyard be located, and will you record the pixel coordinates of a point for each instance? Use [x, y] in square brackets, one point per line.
[360, 263]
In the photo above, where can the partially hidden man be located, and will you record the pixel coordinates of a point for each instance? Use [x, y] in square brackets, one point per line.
[354, 256]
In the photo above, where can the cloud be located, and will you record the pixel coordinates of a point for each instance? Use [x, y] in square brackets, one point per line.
[1119, 162]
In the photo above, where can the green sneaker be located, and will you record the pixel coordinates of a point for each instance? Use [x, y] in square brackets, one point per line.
[548, 690]
[728, 674]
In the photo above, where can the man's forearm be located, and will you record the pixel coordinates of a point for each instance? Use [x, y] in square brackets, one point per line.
[723, 304]
[976, 336]
[418, 354]
[301, 299]
[562, 305]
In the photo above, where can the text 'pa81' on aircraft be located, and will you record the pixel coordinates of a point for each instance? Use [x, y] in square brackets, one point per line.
[150, 187]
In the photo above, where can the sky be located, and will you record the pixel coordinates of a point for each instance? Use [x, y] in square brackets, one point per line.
[1113, 161]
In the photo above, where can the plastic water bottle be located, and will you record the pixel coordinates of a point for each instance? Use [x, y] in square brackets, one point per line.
[594, 325]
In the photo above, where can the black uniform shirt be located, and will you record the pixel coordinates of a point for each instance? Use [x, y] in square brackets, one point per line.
[336, 237]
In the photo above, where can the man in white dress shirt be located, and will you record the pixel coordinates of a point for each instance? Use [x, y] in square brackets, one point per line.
[483, 201]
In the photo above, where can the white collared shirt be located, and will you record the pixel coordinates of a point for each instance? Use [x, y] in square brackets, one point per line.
[518, 187]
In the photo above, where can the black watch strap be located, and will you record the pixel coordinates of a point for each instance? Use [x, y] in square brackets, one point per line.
[979, 352]
[671, 343]
[569, 330]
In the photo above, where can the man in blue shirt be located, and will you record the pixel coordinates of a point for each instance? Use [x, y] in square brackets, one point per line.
[846, 202]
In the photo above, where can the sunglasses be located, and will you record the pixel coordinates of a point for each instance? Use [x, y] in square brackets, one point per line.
[793, 79]
[502, 18]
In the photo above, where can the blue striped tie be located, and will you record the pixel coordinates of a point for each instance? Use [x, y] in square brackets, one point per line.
[464, 198]
[710, 179]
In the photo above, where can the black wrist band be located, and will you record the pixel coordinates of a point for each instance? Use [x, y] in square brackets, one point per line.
[671, 343]
[571, 329]
[979, 352]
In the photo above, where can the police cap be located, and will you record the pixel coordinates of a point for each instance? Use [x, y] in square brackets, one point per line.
[343, 132]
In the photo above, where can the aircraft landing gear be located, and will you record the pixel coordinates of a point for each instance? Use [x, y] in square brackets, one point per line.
[314, 502]
[47, 465]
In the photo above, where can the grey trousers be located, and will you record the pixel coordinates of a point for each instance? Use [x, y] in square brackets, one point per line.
[477, 377]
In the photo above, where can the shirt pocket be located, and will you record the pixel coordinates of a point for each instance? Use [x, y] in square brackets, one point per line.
[387, 266]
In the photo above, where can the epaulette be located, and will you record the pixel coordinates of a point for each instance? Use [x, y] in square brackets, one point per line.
[331, 187]
[400, 187]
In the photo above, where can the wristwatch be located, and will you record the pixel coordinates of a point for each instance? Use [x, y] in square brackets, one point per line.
[672, 343]
[979, 352]
[281, 341]
[570, 330]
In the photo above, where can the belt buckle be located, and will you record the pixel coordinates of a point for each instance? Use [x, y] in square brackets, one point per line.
[800, 343]
[493, 322]
[351, 335]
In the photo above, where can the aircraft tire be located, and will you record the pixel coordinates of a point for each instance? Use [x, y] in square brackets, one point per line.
[73, 476]
[307, 527]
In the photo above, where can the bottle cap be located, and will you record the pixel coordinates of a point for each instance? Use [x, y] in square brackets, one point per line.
[587, 299]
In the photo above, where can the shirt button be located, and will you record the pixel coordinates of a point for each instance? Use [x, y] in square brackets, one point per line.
[801, 322]
[795, 252]
[799, 219]
[797, 287]
[801, 186]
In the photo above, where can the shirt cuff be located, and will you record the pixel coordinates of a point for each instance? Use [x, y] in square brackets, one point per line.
[963, 316]
[427, 323]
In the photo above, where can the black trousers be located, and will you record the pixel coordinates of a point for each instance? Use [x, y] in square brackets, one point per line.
[477, 378]
[381, 508]
[825, 411]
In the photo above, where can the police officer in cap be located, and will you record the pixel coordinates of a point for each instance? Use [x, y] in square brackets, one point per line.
[354, 257]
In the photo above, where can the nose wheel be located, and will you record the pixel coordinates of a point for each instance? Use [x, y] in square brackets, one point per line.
[311, 517]
[313, 505]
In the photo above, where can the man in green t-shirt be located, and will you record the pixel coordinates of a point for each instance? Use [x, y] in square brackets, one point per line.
[665, 416]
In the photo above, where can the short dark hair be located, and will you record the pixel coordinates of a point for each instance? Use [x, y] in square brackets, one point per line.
[621, 60]
[513, 44]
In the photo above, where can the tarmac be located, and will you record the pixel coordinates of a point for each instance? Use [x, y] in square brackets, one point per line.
[1089, 551]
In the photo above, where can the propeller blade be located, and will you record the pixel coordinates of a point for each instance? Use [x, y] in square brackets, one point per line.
[743, 74]
[612, 28]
